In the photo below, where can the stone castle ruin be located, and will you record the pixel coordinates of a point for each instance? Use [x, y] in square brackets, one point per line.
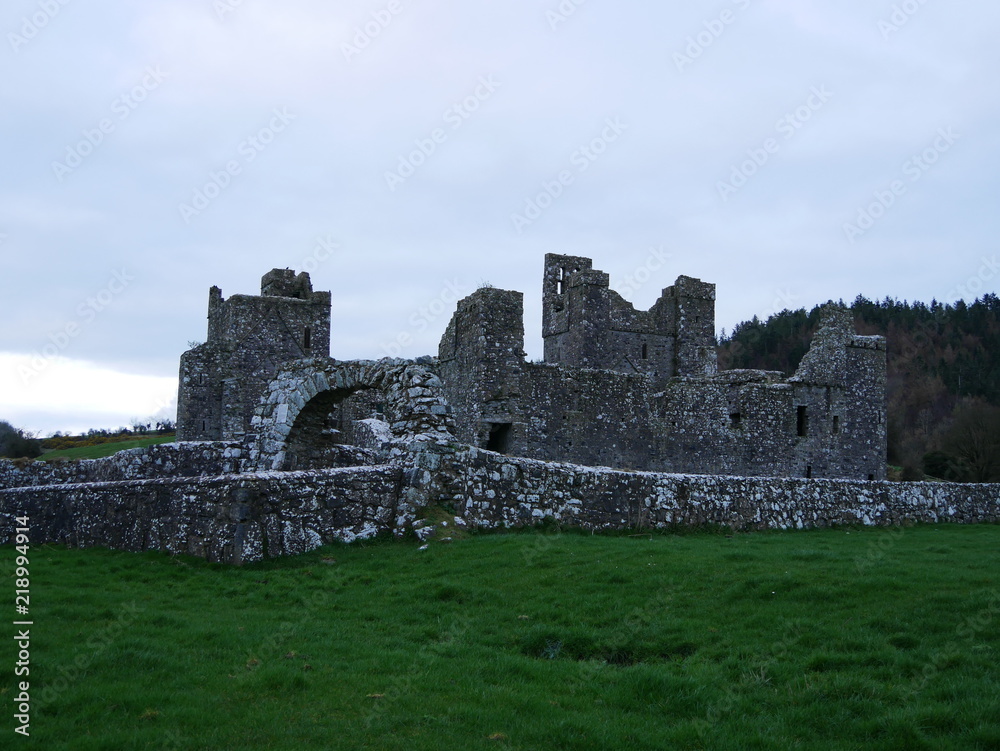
[627, 423]
[619, 387]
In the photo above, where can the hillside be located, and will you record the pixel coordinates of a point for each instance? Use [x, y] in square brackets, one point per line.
[99, 450]
[943, 376]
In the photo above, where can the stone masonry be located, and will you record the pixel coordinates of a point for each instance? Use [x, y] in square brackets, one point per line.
[249, 339]
[241, 517]
[626, 424]
[641, 389]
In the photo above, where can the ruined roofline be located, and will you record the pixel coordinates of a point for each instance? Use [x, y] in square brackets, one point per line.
[285, 283]
[686, 286]
[316, 297]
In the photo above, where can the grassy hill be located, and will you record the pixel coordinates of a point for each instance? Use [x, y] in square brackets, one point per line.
[106, 449]
[830, 639]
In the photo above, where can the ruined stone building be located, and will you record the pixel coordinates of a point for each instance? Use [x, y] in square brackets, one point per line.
[618, 387]
[249, 338]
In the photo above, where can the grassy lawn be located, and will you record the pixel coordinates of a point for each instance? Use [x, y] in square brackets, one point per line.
[106, 449]
[831, 639]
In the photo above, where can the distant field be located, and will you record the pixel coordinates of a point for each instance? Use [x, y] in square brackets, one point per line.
[829, 639]
[106, 449]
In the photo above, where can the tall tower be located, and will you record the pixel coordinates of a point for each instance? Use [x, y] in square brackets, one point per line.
[249, 338]
[694, 318]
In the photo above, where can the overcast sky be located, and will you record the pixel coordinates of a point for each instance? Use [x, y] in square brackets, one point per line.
[405, 152]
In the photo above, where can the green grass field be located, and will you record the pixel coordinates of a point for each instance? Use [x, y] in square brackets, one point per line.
[106, 449]
[833, 639]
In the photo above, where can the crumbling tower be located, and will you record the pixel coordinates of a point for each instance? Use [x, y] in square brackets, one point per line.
[249, 338]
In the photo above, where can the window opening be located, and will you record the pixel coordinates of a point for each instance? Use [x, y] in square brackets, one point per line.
[499, 438]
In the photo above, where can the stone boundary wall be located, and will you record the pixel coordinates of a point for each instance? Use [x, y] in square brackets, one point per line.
[492, 491]
[163, 460]
[228, 518]
[187, 459]
[247, 517]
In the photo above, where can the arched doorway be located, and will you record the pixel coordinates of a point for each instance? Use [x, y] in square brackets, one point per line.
[314, 406]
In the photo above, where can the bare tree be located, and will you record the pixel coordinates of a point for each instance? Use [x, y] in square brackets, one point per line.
[974, 437]
[16, 443]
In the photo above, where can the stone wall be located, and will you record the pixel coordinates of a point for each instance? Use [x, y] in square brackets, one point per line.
[239, 518]
[188, 459]
[492, 491]
[229, 518]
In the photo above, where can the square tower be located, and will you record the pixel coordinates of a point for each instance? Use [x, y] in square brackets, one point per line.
[249, 338]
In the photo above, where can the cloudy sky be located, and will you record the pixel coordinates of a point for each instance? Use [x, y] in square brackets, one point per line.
[406, 152]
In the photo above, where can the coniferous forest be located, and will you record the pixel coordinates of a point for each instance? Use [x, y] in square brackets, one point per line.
[943, 385]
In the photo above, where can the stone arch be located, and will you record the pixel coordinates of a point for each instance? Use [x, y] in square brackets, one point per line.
[303, 393]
